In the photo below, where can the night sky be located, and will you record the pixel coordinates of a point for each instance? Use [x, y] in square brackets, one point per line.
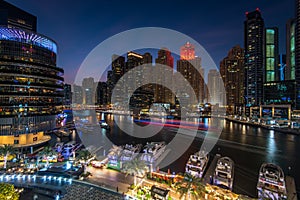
[78, 26]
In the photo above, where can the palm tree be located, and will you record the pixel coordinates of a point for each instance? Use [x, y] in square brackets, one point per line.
[135, 168]
[190, 186]
[46, 152]
[6, 150]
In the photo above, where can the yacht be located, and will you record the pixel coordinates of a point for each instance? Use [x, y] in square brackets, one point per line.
[152, 151]
[224, 173]
[271, 182]
[130, 152]
[197, 163]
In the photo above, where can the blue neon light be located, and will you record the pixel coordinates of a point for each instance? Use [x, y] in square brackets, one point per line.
[19, 35]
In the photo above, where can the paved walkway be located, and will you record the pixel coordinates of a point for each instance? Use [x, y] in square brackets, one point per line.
[111, 179]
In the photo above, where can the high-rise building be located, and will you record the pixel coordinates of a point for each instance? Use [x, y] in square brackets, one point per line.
[271, 55]
[254, 58]
[67, 94]
[163, 94]
[297, 53]
[77, 97]
[147, 58]
[187, 52]
[290, 49]
[89, 95]
[32, 86]
[118, 67]
[101, 98]
[214, 87]
[189, 66]
[110, 85]
[232, 72]
[13, 17]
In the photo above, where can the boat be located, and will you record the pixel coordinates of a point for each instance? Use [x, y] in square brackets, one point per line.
[152, 151]
[104, 125]
[224, 173]
[197, 164]
[271, 182]
[130, 152]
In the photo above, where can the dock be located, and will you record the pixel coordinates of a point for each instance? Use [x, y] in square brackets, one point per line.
[291, 188]
[211, 170]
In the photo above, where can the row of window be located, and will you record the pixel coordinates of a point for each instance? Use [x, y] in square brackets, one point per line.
[28, 70]
[21, 51]
[16, 100]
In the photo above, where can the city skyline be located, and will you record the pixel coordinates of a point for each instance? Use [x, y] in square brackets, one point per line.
[91, 21]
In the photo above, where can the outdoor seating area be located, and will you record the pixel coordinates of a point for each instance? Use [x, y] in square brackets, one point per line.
[86, 192]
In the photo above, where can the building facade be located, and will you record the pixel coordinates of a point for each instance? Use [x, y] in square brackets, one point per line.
[297, 54]
[290, 49]
[232, 72]
[32, 86]
[14, 17]
[271, 55]
[189, 66]
[254, 58]
[163, 94]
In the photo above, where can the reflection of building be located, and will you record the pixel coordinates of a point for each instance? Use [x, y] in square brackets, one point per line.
[254, 54]
[31, 92]
[232, 72]
[163, 94]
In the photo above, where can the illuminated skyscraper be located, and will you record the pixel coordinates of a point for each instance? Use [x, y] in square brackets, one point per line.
[118, 67]
[163, 94]
[232, 72]
[271, 55]
[32, 86]
[214, 83]
[254, 58]
[187, 52]
[297, 66]
[290, 49]
[189, 66]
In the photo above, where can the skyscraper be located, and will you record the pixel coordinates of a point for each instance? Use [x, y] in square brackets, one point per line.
[118, 67]
[32, 86]
[232, 72]
[187, 52]
[254, 58]
[271, 55]
[214, 89]
[163, 94]
[89, 95]
[297, 66]
[13, 17]
[188, 66]
[290, 49]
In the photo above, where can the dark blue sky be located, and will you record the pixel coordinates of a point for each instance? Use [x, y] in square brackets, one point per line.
[78, 26]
